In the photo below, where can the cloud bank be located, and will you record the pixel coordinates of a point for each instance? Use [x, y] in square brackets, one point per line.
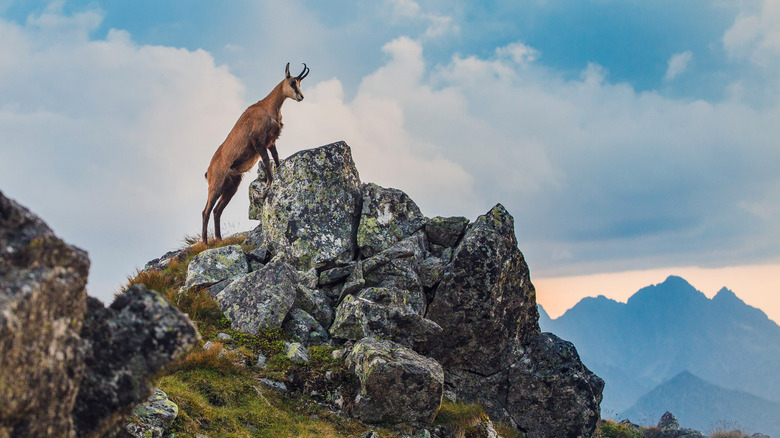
[108, 139]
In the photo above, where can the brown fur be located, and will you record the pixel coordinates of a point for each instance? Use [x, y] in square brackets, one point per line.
[253, 135]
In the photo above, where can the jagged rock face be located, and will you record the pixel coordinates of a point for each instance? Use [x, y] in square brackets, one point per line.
[388, 215]
[260, 299]
[42, 290]
[457, 292]
[131, 340]
[215, 265]
[485, 303]
[310, 212]
[397, 384]
[70, 367]
[550, 392]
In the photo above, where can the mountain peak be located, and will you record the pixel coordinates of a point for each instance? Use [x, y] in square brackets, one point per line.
[674, 291]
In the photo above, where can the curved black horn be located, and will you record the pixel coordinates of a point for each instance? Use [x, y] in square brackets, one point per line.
[304, 73]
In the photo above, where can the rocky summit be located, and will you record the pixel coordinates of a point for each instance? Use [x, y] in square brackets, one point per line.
[420, 306]
[68, 365]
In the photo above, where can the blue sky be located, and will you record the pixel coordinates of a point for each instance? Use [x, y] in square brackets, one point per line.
[622, 135]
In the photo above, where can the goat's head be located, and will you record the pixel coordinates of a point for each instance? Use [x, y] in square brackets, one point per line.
[292, 85]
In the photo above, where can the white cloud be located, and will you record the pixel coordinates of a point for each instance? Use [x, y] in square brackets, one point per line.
[108, 140]
[518, 52]
[755, 35]
[678, 64]
[409, 10]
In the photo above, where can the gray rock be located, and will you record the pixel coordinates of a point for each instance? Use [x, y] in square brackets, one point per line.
[432, 271]
[260, 299]
[445, 231]
[162, 262]
[273, 384]
[335, 275]
[261, 359]
[310, 211]
[393, 319]
[309, 278]
[398, 266]
[315, 303]
[304, 328]
[42, 306]
[397, 385]
[224, 337]
[152, 417]
[668, 422]
[215, 265]
[485, 303]
[549, 392]
[388, 215]
[131, 341]
[296, 352]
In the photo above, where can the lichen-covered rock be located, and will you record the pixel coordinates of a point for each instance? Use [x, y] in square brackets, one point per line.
[216, 265]
[151, 418]
[260, 299]
[397, 385]
[485, 303]
[310, 212]
[445, 231]
[296, 352]
[393, 318]
[388, 215]
[669, 427]
[130, 342]
[315, 303]
[398, 266]
[550, 392]
[42, 305]
[304, 328]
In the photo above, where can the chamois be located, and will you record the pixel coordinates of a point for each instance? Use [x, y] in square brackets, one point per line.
[255, 132]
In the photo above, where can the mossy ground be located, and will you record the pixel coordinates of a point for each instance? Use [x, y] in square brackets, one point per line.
[219, 395]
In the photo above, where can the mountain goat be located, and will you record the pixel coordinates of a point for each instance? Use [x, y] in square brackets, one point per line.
[253, 135]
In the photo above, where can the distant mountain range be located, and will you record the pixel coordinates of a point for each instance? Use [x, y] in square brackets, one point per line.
[701, 405]
[665, 330]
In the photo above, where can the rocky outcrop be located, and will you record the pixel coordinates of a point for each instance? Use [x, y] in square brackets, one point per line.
[310, 213]
[71, 367]
[454, 292]
[397, 385]
[669, 427]
[130, 341]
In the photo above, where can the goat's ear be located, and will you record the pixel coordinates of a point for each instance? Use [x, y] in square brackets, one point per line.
[287, 71]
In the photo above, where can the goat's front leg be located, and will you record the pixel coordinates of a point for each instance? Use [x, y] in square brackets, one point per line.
[267, 163]
[274, 154]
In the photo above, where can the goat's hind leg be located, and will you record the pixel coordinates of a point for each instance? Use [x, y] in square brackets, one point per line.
[228, 190]
[212, 199]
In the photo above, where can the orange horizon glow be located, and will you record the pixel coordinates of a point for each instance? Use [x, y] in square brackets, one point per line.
[756, 285]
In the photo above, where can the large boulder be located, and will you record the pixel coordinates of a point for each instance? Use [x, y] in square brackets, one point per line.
[309, 214]
[216, 265]
[388, 215]
[260, 299]
[70, 367]
[130, 341]
[384, 313]
[550, 392]
[397, 385]
[42, 306]
[485, 303]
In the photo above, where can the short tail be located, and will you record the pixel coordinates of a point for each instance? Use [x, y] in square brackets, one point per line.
[206, 175]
